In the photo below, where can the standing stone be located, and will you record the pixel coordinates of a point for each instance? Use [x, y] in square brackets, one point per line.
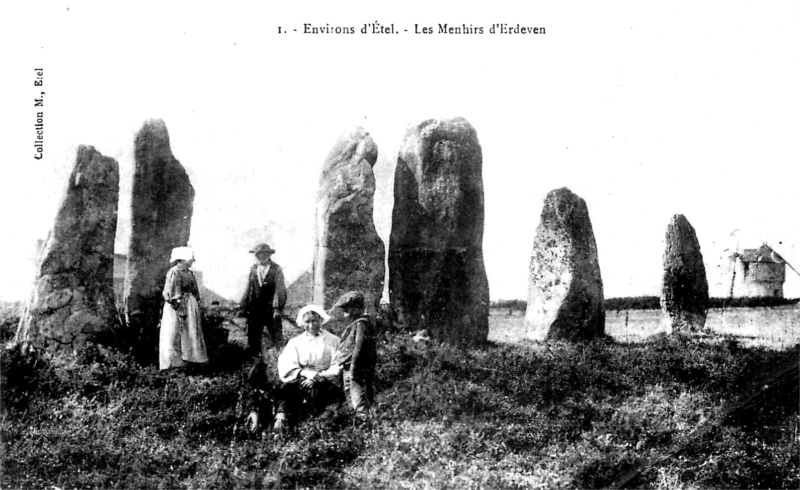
[684, 295]
[348, 253]
[437, 276]
[72, 301]
[565, 296]
[161, 216]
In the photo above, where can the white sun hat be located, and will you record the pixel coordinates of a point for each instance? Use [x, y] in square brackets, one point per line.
[181, 253]
[316, 309]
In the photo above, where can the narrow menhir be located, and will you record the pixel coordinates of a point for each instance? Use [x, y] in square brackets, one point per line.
[348, 253]
[161, 218]
[684, 292]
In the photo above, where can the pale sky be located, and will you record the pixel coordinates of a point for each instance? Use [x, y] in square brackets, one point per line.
[645, 110]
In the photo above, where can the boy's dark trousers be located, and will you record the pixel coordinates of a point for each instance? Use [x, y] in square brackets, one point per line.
[358, 390]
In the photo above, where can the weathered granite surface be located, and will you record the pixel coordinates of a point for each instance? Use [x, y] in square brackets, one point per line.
[437, 276]
[684, 292]
[161, 217]
[565, 296]
[348, 254]
[72, 300]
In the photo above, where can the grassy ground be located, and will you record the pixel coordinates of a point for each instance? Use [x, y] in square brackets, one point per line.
[513, 415]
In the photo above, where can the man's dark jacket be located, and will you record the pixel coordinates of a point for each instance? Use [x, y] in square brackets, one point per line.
[259, 302]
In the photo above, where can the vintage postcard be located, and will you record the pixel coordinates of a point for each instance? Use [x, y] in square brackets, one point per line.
[643, 111]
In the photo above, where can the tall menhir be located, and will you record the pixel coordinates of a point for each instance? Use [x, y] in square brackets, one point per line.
[565, 296]
[161, 218]
[72, 300]
[348, 253]
[684, 292]
[437, 277]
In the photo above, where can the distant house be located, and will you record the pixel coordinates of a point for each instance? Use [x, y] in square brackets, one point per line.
[758, 272]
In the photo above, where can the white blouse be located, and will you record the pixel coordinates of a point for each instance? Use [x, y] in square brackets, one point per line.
[309, 352]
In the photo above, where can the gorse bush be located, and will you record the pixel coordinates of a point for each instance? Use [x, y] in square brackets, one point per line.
[560, 414]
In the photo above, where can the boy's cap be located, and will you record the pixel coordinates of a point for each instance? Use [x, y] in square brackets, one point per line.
[353, 299]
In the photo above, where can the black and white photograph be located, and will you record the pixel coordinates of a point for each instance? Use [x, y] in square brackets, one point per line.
[350, 244]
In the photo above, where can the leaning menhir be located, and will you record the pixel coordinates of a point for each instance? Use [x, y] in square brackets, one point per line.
[72, 301]
[565, 296]
[437, 277]
[161, 217]
[348, 253]
[684, 292]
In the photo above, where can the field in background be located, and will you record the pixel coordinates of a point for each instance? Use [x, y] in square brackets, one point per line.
[771, 327]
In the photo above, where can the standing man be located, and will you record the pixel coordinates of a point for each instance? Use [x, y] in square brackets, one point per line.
[264, 299]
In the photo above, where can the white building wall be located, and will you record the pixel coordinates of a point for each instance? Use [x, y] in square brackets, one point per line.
[758, 279]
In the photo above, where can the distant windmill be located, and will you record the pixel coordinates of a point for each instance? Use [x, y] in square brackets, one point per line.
[758, 272]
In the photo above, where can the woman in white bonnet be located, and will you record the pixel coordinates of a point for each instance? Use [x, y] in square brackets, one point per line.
[181, 337]
[304, 366]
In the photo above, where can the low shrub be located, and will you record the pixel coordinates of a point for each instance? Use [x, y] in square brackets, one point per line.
[509, 416]
[9, 320]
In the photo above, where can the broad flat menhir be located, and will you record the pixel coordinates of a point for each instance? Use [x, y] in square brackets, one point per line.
[437, 276]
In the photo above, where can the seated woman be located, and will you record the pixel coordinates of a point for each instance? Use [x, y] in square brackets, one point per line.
[305, 369]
